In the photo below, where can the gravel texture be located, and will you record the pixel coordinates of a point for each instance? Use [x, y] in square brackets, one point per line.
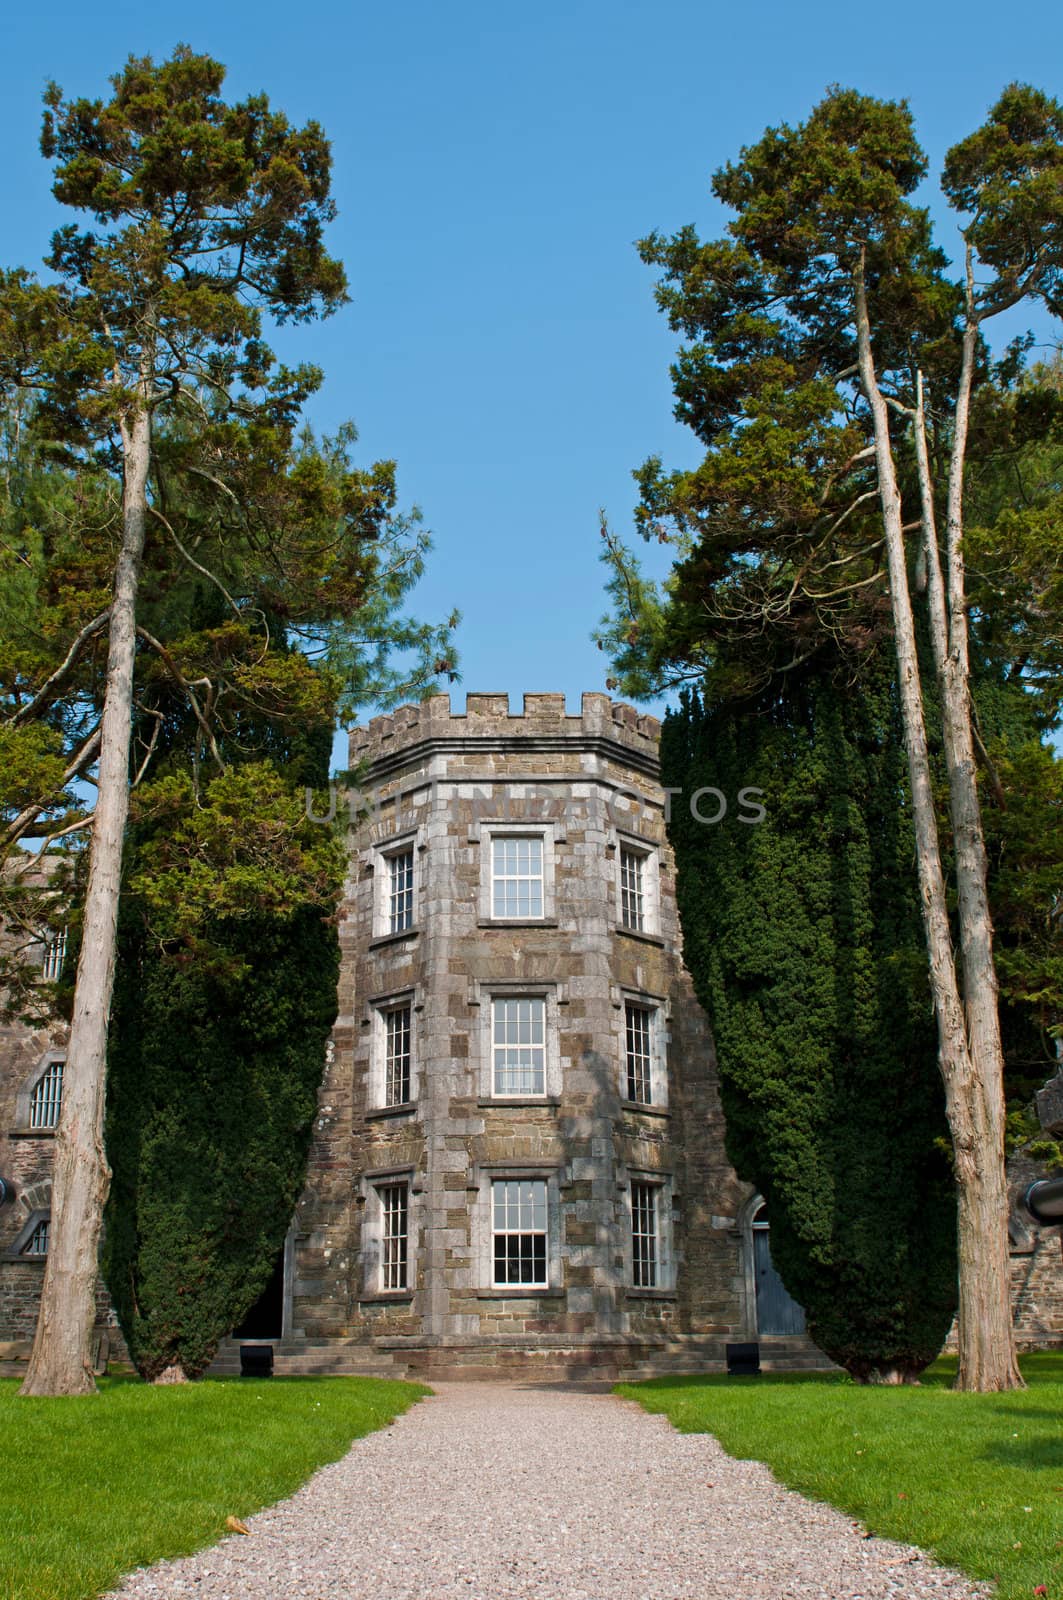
[527, 1492]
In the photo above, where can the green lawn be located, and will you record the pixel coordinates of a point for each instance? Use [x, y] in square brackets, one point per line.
[96, 1486]
[977, 1479]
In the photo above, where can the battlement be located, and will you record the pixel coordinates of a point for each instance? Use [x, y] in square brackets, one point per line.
[488, 717]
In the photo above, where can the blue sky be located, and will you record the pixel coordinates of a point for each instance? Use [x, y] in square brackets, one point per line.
[493, 166]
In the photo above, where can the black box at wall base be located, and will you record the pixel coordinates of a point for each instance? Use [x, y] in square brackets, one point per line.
[256, 1361]
[743, 1360]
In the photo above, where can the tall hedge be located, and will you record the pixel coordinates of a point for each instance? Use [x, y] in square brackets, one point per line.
[225, 995]
[804, 940]
[211, 1098]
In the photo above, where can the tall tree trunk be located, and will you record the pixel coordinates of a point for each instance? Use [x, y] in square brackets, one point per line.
[988, 1360]
[984, 1276]
[61, 1359]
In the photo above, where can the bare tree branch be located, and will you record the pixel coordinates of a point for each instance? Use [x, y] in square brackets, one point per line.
[43, 694]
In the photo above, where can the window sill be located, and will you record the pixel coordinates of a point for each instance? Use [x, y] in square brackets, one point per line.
[28, 1261]
[32, 1133]
[641, 936]
[517, 922]
[651, 1294]
[642, 1109]
[387, 1297]
[407, 1109]
[520, 1292]
[383, 939]
[506, 1101]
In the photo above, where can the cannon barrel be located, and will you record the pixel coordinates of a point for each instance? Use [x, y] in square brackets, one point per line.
[1044, 1201]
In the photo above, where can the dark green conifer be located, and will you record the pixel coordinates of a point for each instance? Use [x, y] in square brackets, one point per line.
[804, 940]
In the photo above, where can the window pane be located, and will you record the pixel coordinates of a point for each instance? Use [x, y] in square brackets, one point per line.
[632, 901]
[37, 1243]
[400, 891]
[519, 1216]
[519, 1046]
[644, 1235]
[54, 956]
[394, 1206]
[638, 1021]
[397, 1031]
[46, 1101]
[517, 877]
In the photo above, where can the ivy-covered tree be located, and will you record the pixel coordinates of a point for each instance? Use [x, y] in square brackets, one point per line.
[147, 361]
[830, 372]
[803, 937]
[225, 996]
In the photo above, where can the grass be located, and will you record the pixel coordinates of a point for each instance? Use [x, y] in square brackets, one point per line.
[95, 1486]
[976, 1479]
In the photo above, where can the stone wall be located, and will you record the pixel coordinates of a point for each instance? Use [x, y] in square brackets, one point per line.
[26, 1156]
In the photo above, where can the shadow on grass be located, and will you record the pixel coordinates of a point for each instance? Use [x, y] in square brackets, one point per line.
[1040, 1453]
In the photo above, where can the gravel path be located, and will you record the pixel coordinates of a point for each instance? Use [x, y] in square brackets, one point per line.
[510, 1492]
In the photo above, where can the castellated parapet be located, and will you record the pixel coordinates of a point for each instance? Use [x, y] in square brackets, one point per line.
[487, 717]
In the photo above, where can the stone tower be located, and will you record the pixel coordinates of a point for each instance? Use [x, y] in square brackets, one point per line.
[518, 1159]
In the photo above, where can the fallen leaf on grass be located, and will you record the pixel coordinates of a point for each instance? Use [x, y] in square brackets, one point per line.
[234, 1525]
[1041, 1589]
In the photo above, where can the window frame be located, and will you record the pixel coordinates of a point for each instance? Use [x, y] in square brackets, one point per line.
[645, 1242]
[521, 1233]
[398, 1062]
[638, 1061]
[23, 1125]
[51, 1100]
[661, 1185]
[374, 1233]
[489, 833]
[505, 1009]
[656, 1006]
[43, 1230]
[53, 956]
[16, 1250]
[649, 855]
[382, 855]
[485, 996]
[401, 1239]
[381, 1007]
[399, 893]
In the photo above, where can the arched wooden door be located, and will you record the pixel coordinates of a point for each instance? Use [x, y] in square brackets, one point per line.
[777, 1311]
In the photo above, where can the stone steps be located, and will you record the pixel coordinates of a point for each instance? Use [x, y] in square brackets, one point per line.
[303, 1358]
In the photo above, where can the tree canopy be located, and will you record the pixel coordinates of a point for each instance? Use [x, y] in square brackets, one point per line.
[245, 577]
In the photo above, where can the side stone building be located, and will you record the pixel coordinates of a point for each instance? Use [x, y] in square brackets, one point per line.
[518, 1159]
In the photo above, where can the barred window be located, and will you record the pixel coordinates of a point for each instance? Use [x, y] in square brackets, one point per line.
[54, 956]
[519, 1229]
[37, 1243]
[46, 1101]
[519, 1046]
[639, 1041]
[394, 1208]
[517, 877]
[397, 1031]
[400, 891]
[632, 893]
[644, 1238]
